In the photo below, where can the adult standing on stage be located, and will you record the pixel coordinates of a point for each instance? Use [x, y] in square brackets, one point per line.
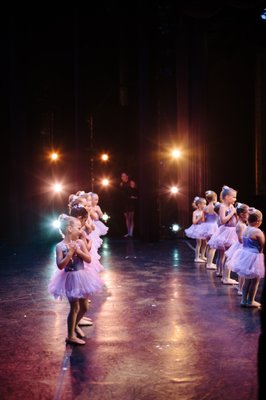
[126, 203]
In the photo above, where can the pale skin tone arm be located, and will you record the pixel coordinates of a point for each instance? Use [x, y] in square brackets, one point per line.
[225, 218]
[196, 218]
[239, 232]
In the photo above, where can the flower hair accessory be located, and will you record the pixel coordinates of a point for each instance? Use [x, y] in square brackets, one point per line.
[239, 205]
[196, 198]
[225, 187]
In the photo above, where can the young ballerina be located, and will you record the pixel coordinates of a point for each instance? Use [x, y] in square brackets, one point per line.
[249, 260]
[193, 231]
[242, 211]
[72, 280]
[97, 214]
[210, 225]
[226, 235]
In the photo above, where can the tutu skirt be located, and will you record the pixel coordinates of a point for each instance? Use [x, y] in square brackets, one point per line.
[95, 238]
[102, 228]
[207, 229]
[223, 238]
[193, 231]
[75, 284]
[248, 264]
[231, 252]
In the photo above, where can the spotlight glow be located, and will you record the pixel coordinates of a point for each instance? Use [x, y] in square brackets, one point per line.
[104, 157]
[105, 217]
[175, 227]
[56, 224]
[174, 189]
[57, 187]
[54, 156]
[263, 14]
[176, 153]
[105, 182]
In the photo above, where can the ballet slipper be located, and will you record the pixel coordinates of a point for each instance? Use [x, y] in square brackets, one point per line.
[199, 260]
[80, 332]
[74, 340]
[85, 322]
[254, 304]
[229, 281]
[210, 266]
[239, 292]
[86, 318]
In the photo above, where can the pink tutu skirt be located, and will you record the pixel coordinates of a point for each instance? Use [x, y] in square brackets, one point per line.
[230, 253]
[102, 228]
[248, 264]
[95, 264]
[75, 284]
[223, 238]
[95, 238]
[207, 229]
[193, 231]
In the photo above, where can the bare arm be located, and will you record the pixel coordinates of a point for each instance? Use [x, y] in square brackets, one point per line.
[222, 213]
[196, 217]
[62, 261]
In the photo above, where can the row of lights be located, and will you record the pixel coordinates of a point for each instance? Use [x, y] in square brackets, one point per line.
[105, 182]
[55, 156]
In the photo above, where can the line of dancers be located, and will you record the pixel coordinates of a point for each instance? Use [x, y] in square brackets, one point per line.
[78, 261]
[233, 235]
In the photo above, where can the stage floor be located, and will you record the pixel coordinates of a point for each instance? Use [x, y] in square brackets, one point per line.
[165, 328]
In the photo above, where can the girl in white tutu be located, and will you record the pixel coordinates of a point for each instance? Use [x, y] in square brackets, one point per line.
[226, 235]
[210, 225]
[97, 215]
[72, 280]
[249, 260]
[242, 213]
[193, 231]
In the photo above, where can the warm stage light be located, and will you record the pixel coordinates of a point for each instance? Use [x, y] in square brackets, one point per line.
[57, 187]
[54, 156]
[174, 189]
[175, 227]
[105, 182]
[105, 217]
[176, 153]
[104, 157]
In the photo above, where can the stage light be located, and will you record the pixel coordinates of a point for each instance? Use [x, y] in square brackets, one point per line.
[176, 153]
[56, 224]
[54, 156]
[57, 187]
[104, 157]
[105, 182]
[263, 14]
[175, 227]
[105, 217]
[174, 189]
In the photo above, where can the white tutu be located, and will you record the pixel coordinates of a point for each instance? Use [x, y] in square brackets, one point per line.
[230, 253]
[248, 264]
[223, 238]
[207, 229]
[193, 231]
[103, 229]
[75, 284]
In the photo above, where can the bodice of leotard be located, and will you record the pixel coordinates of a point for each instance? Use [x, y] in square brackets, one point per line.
[211, 217]
[232, 221]
[75, 264]
[251, 244]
